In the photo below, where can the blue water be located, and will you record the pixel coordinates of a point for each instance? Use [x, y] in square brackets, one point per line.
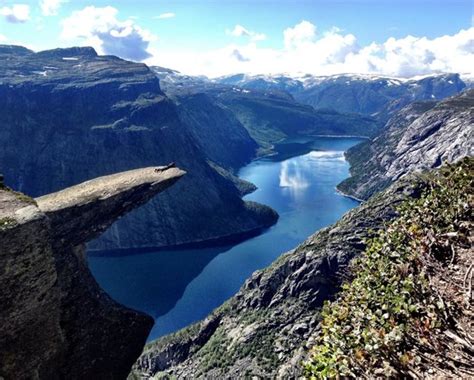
[179, 287]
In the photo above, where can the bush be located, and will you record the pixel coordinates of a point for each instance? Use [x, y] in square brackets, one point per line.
[389, 303]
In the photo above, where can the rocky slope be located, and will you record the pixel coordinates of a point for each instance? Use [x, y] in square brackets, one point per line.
[85, 115]
[55, 321]
[420, 136]
[365, 94]
[264, 329]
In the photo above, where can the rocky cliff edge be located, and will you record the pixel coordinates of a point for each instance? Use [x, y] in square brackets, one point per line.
[55, 321]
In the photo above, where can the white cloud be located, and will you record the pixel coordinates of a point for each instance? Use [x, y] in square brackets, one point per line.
[17, 13]
[332, 52]
[51, 7]
[165, 15]
[240, 31]
[301, 34]
[3, 38]
[100, 28]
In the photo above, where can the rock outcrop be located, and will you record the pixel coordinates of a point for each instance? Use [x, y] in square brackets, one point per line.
[265, 329]
[421, 136]
[55, 321]
[85, 116]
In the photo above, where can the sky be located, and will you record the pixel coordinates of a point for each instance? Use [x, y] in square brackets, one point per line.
[401, 38]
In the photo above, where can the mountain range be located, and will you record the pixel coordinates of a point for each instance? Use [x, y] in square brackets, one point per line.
[68, 116]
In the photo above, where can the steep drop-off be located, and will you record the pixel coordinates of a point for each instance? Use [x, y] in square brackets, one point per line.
[85, 115]
[267, 328]
[55, 321]
[264, 329]
[420, 136]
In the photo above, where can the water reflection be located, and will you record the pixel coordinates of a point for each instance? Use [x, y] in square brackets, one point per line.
[292, 175]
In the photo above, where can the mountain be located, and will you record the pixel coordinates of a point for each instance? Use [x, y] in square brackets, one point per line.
[55, 320]
[365, 94]
[68, 115]
[268, 115]
[421, 136]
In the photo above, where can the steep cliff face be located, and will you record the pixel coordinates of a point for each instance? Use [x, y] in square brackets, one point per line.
[264, 329]
[421, 136]
[267, 328]
[216, 130]
[86, 115]
[55, 321]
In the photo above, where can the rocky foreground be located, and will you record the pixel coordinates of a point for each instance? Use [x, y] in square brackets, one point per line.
[55, 321]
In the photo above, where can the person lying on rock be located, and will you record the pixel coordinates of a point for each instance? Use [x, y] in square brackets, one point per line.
[163, 168]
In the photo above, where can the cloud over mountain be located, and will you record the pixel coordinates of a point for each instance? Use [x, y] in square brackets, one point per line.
[240, 31]
[100, 28]
[305, 50]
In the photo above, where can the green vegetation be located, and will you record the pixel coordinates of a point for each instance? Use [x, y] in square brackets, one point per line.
[390, 307]
[221, 351]
[7, 222]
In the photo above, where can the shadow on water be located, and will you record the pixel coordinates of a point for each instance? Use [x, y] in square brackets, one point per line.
[147, 275]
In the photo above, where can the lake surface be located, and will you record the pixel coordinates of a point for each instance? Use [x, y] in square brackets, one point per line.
[179, 287]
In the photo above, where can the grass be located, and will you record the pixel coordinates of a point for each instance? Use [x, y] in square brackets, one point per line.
[389, 304]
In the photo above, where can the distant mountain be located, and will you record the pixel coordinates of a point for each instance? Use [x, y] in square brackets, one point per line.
[68, 115]
[421, 136]
[365, 94]
[269, 115]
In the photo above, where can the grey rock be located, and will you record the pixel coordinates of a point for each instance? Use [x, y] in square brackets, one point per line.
[55, 321]
[420, 136]
[265, 330]
[85, 115]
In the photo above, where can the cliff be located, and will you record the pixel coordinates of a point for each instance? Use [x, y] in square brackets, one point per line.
[85, 116]
[270, 327]
[420, 136]
[264, 329]
[55, 321]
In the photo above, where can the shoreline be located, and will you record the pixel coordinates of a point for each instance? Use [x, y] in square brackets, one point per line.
[273, 153]
[340, 192]
[342, 136]
[222, 241]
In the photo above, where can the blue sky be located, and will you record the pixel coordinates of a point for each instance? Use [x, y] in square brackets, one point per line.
[198, 31]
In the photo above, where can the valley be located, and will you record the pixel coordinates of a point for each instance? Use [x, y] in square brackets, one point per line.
[179, 287]
[166, 225]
